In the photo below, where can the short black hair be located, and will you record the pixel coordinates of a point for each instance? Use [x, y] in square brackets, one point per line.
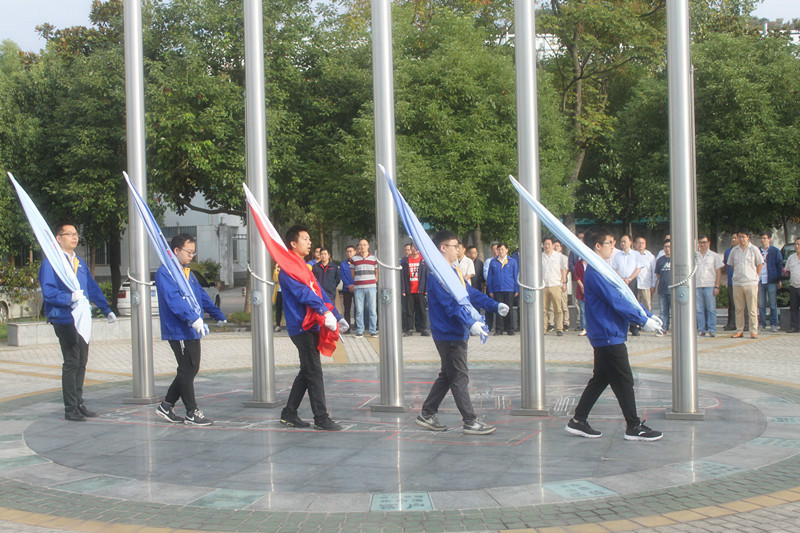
[764, 233]
[351, 246]
[547, 238]
[292, 234]
[323, 249]
[58, 227]
[443, 235]
[180, 240]
[595, 235]
[743, 232]
[499, 244]
[703, 236]
[471, 246]
[626, 235]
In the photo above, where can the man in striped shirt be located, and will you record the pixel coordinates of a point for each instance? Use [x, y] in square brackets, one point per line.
[365, 276]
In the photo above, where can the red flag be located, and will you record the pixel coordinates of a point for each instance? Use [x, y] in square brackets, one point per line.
[295, 267]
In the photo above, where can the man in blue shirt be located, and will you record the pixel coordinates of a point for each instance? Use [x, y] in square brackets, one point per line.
[501, 284]
[348, 285]
[58, 303]
[451, 326]
[769, 282]
[607, 331]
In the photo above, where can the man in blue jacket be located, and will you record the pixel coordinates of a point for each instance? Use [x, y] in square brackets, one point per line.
[348, 285]
[451, 326]
[58, 303]
[769, 283]
[501, 284]
[607, 331]
[183, 328]
[297, 298]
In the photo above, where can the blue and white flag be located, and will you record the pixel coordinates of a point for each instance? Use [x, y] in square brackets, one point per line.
[163, 250]
[571, 241]
[436, 262]
[82, 309]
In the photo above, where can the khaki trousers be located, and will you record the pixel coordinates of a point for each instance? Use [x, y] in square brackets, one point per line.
[746, 296]
[644, 297]
[552, 296]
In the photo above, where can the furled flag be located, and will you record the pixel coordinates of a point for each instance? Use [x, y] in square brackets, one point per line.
[574, 243]
[297, 269]
[82, 309]
[436, 262]
[163, 250]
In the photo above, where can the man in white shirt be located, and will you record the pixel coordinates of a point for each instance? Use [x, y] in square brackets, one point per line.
[747, 262]
[646, 280]
[564, 295]
[627, 263]
[464, 263]
[793, 269]
[554, 272]
[707, 279]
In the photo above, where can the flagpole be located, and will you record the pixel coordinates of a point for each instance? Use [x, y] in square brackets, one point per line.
[530, 305]
[256, 147]
[391, 349]
[141, 317]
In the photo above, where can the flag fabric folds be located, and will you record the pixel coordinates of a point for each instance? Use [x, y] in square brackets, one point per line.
[82, 309]
[295, 267]
[437, 264]
[163, 250]
[574, 243]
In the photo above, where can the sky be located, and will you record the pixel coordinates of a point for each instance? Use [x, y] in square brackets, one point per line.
[18, 18]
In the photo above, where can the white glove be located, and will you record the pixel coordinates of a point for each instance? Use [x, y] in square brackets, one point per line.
[652, 324]
[502, 309]
[198, 326]
[660, 322]
[111, 317]
[343, 326]
[476, 328]
[77, 295]
[221, 322]
[330, 321]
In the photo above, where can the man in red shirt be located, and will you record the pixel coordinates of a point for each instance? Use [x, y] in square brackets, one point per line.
[413, 279]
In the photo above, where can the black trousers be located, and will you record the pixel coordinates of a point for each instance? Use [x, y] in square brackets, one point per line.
[278, 308]
[347, 303]
[794, 307]
[308, 379]
[75, 352]
[416, 314]
[731, 309]
[187, 354]
[505, 323]
[611, 367]
[453, 377]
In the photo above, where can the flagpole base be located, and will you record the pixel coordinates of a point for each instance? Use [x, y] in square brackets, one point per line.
[262, 405]
[530, 412]
[388, 409]
[142, 401]
[684, 416]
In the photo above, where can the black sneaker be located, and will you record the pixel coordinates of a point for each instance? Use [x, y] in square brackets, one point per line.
[582, 429]
[642, 432]
[327, 425]
[196, 418]
[167, 412]
[559, 333]
[294, 421]
[478, 428]
[425, 333]
[430, 422]
[408, 333]
[86, 412]
[73, 415]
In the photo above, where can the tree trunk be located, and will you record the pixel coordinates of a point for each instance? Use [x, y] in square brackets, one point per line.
[477, 240]
[577, 115]
[115, 260]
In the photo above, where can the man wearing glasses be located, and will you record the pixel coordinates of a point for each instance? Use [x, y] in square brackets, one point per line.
[58, 303]
[707, 279]
[183, 329]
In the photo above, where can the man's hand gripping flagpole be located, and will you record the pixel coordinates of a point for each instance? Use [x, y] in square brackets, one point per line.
[81, 308]
[437, 264]
[574, 243]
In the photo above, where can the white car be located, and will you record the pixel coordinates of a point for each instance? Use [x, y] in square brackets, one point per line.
[124, 298]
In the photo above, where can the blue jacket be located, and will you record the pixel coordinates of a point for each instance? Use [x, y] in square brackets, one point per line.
[774, 265]
[729, 268]
[328, 277]
[296, 297]
[346, 275]
[502, 278]
[177, 315]
[449, 321]
[607, 312]
[58, 298]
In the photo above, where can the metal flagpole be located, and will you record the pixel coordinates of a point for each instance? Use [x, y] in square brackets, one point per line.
[530, 304]
[256, 148]
[141, 319]
[391, 349]
[683, 213]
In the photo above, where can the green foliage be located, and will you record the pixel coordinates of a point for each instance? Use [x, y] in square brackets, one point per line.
[240, 318]
[208, 268]
[107, 288]
[19, 285]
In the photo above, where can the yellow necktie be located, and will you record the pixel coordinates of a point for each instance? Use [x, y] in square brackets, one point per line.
[461, 277]
[186, 272]
[75, 264]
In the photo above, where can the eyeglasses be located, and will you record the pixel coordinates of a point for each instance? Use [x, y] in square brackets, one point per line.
[190, 254]
[449, 245]
[607, 242]
[69, 235]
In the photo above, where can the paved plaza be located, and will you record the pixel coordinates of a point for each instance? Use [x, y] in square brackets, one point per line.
[130, 471]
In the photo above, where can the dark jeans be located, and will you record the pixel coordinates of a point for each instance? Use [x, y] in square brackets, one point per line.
[453, 376]
[611, 367]
[308, 379]
[416, 315]
[278, 308]
[794, 307]
[187, 353]
[347, 303]
[505, 323]
[75, 351]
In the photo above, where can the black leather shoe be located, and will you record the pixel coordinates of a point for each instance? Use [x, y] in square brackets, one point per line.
[86, 412]
[74, 415]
